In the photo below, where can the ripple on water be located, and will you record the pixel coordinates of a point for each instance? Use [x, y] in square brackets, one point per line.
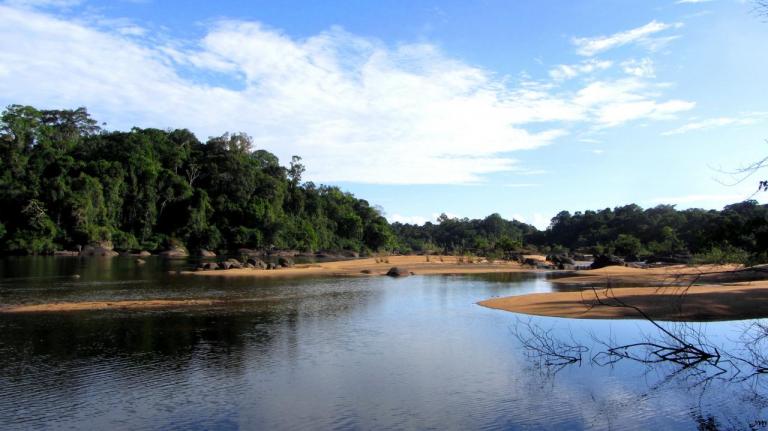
[365, 353]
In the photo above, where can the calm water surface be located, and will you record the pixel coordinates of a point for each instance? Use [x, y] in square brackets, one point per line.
[346, 353]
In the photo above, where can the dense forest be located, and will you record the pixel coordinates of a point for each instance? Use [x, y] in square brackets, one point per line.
[738, 233]
[65, 182]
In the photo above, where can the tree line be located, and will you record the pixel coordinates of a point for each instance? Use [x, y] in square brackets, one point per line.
[65, 182]
[737, 233]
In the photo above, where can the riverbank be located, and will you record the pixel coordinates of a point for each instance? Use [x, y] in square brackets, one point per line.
[720, 293]
[145, 304]
[660, 276]
[375, 266]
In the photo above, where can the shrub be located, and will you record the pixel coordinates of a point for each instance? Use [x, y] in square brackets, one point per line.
[722, 254]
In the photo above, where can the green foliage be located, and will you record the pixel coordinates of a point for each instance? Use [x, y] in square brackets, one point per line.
[738, 233]
[627, 246]
[64, 182]
[124, 241]
[491, 236]
[661, 231]
[722, 255]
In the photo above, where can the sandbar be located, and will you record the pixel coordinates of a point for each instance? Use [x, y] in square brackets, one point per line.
[697, 303]
[418, 265]
[665, 275]
[107, 305]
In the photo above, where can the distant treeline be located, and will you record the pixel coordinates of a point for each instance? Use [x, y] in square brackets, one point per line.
[738, 233]
[65, 182]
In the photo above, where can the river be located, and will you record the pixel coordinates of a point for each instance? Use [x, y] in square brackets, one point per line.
[329, 353]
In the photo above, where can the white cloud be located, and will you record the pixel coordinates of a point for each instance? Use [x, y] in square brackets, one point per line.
[711, 123]
[612, 103]
[565, 71]
[640, 68]
[355, 109]
[691, 1]
[132, 30]
[540, 221]
[590, 46]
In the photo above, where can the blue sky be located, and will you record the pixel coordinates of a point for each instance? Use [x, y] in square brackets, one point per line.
[423, 107]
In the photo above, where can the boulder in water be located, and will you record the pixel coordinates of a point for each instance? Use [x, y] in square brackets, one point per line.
[397, 271]
[176, 252]
[101, 249]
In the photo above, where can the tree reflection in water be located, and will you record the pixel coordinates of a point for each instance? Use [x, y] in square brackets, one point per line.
[675, 355]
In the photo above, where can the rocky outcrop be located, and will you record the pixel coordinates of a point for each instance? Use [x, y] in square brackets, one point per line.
[397, 271]
[603, 260]
[284, 253]
[205, 253]
[285, 262]
[530, 262]
[176, 252]
[560, 259]
[256, 263]
[234, 264]
[102, 249]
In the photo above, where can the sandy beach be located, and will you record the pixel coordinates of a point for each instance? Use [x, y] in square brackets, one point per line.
[719, 294]
[418, 265]
[661, 276]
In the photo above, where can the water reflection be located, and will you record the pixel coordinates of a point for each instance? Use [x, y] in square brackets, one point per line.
[325, 353]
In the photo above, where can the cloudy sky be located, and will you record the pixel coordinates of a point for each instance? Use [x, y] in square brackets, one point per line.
[423, 107]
